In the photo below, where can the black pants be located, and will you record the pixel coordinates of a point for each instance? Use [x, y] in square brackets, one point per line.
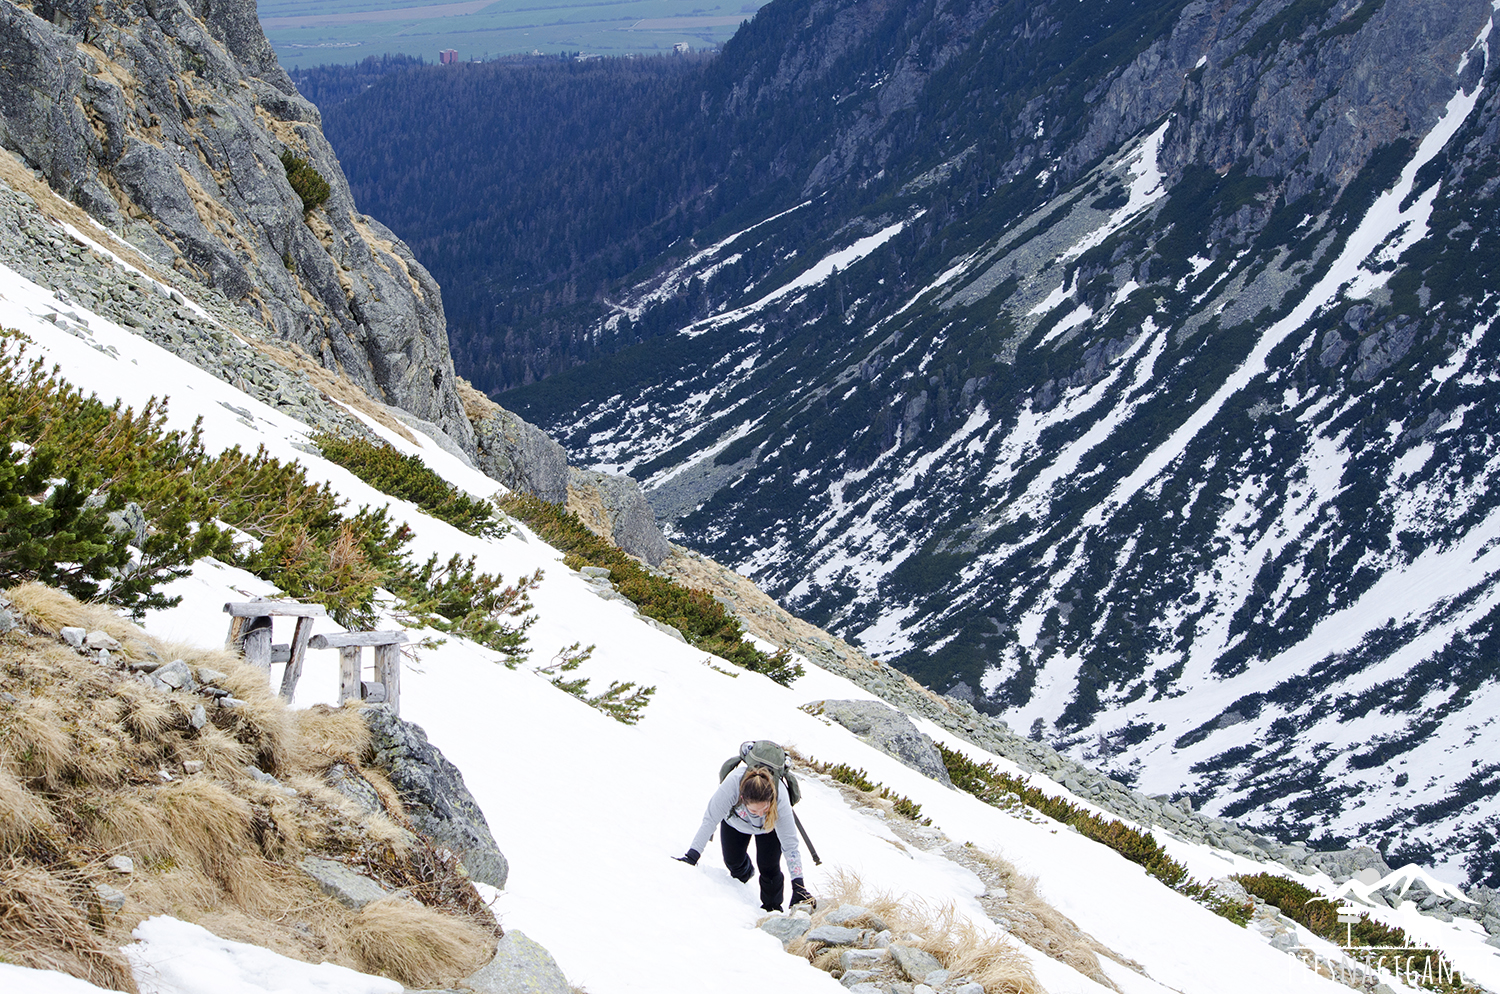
[736, 845]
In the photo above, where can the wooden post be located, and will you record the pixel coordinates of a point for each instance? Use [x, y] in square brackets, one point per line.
[388, 672]
[349, 672]
[257, 643]
[250, 630]
[293, 673]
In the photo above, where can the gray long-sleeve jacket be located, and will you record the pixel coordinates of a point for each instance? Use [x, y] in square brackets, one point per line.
[725, 806]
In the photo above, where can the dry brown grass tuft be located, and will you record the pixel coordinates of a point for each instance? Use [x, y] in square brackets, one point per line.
[332, 735]
[41, 928]
[1043, 927]
[416, 945]
[962, 947]
[50, 610]
[35, 742]
[209, 824]
[22, 817]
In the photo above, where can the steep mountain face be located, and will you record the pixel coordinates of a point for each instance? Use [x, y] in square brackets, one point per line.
[167, 121]
[1124, 368]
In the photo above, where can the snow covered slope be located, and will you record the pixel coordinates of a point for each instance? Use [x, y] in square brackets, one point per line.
[1172, 446]
[589, 811]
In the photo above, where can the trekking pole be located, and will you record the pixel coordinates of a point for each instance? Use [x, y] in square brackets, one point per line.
[812, 849]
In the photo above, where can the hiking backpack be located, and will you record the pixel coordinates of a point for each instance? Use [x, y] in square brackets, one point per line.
[764, 752]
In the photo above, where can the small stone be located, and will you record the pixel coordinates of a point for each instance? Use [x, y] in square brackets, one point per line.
[922, 989]
[9, 698]
[351, 889]
[597, 572]
[198, 718]
[121, 864]
[916, 963]
[936, 978]
[861, 959]
[176, 675]
[110, 897]
[103, 658]
[193, 766]
[846, 913]
[231, 702]
[144, 665]
[101, 640]
[165, 776]
[972, 987]
[73, 636]
[786, 927]
[835, 935]
[206, 675]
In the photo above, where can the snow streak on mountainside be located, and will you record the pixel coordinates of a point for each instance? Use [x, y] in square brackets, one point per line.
[1167, 432]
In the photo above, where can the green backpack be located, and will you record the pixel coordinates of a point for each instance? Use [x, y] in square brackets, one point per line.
[764, 752]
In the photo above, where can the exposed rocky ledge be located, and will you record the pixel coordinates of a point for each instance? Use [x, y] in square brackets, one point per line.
[166, 122]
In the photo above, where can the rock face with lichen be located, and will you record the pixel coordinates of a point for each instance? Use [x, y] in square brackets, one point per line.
[167, 121]
[433, 790]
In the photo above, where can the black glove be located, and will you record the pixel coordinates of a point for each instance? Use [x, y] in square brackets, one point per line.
[800, 892]
[691, 859]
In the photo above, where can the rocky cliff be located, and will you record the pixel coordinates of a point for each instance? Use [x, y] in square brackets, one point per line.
[168, 121]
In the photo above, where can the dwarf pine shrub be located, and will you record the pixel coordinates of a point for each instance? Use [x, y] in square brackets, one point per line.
[306, 181]
[990, 784]
[623, 702]
[701, 619]
[1316, 913]
[860, 780]
[303, 539]
[409, 478]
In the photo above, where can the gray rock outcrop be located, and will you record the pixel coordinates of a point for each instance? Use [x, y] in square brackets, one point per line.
[433, 790]
[521, 456]
[520, 966]
[888, 730]
[166, 121]
[629, 518]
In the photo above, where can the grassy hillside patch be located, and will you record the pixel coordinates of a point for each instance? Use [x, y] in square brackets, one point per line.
[94, 765]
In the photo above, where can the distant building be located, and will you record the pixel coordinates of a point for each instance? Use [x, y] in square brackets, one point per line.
[682, 48]
[449, 56]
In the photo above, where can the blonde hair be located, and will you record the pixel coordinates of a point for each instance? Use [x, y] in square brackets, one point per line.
[758, 784]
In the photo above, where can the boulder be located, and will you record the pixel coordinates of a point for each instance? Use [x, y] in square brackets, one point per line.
[521, 456]
[628, 517]
[433, 790]
[786, 927]
[520, 966]
[888, 730]
[351, 889]
[844, 914]
[835, 935]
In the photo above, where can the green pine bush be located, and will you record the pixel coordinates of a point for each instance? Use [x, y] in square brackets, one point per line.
[306, 181]
[990, 784]
[409, 478]
[701, 619]
[247, 509]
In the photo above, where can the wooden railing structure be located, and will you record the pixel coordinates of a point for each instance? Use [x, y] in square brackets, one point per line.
[250, 627]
